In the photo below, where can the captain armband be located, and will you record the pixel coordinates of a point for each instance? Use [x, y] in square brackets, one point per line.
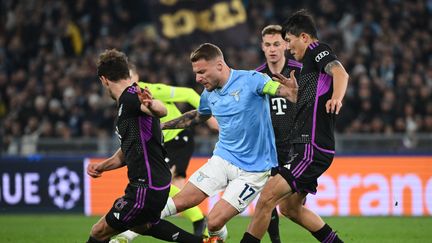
[271, 87]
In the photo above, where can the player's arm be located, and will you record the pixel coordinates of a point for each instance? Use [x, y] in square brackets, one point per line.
[187, 119]
[340, 83]
[283, 87]
[212, 124]
[95, 170]
[190, 96]
[150, 106]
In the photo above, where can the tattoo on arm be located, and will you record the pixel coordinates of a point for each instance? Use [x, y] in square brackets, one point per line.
[187, 119]
[330, 65]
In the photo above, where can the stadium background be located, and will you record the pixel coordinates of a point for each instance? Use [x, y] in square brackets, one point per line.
[55, 117]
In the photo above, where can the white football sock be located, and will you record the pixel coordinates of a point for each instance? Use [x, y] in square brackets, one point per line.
[222, 233]
[130, 235]
[169, 209]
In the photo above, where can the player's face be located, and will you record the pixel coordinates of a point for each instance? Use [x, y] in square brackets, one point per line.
[296, 45]
[207, 73]
[273, 46]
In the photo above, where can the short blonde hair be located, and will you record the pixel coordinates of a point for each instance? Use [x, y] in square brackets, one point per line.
[271, 30]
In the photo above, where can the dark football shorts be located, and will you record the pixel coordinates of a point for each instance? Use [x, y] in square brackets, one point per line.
[306, 163]
[140, 205]
[179, 152]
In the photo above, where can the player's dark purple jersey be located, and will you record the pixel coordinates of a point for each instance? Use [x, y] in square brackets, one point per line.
[312, 124]
[141, 142]
[282, 110]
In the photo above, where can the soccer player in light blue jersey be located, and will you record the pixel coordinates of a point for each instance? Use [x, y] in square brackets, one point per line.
[245, 152]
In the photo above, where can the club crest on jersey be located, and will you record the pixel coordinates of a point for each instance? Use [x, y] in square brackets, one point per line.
[236, 95]
[120, 110]
[120, 204]
[201, 176]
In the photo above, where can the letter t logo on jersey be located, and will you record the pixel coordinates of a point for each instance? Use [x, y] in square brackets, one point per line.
[279, 104]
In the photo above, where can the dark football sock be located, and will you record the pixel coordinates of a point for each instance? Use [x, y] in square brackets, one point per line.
[248, 238]
[273, 229]
[167, 231]
[326, 234]
[93, 240]
[199, 227]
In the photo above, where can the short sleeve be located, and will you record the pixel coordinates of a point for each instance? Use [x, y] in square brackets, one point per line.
[258, 81]
[129, 102]
[204, 107]
[323, 55]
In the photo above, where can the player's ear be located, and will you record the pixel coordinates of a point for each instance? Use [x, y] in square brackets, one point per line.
[103, 80]
[219, 65]
[305, 37]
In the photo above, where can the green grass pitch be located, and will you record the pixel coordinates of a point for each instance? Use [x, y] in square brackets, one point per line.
[75, 228]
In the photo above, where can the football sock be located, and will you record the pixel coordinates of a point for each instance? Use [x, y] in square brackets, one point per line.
[248, 238]
[326, 234]
[169, 209]
[273, 229]
[199, 227]
[130, 235]
[167, 231]
[93, 240]
[222, 233]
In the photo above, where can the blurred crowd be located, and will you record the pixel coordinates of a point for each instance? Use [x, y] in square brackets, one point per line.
[49, 87]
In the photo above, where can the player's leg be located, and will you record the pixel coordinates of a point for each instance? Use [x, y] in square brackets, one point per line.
[293, 208]
[120, 215]
[275, 189]
[242, 189]
[206, 181]
[304, 176]
[167, 231]
[220, 214]
[189, 196]
[101, 232]
[283, 155]
[273, 229]
[194, 214]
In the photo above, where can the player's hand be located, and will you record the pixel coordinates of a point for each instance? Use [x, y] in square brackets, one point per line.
[93, 170]
[333, 105]
[145, 97]
[290, 83]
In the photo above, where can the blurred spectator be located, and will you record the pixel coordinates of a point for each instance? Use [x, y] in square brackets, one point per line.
[48, 83]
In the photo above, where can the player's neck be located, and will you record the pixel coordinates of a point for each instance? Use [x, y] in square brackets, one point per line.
[277, 67]
[118, 88]
[226, 73]
[310, 41]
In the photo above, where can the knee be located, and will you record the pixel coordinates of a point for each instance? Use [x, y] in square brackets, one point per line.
[215, 223]
[290, 212]
[266, 201]
[97, 231]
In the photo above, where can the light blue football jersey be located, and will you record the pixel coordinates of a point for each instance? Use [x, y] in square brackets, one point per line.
[246, 137]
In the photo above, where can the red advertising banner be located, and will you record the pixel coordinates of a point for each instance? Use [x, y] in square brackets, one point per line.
[352, 186]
